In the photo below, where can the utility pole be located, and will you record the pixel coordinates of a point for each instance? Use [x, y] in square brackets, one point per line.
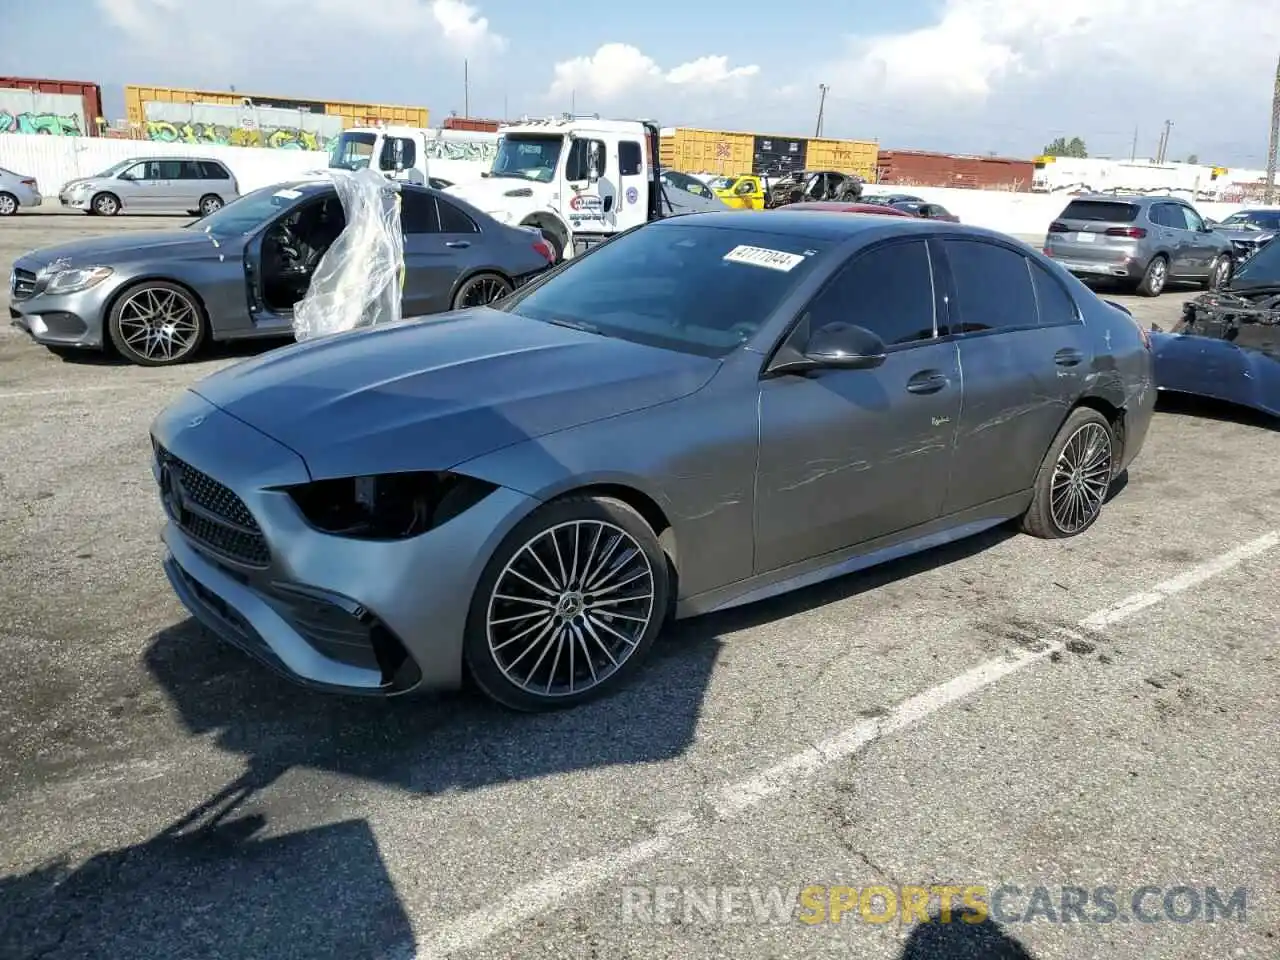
[822, 102]
[505, 113]
[466, 89]
[573, 103]
[1269, 191]
[1164, 142]
[1133, 150]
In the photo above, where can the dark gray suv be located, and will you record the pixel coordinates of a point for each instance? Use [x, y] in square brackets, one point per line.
[1146, 241]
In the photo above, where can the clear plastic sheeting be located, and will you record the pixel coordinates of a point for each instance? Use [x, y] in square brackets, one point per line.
[358, 281]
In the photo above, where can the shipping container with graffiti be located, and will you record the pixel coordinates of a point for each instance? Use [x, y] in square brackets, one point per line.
[231, 118]
[67, 108]
[731, 153]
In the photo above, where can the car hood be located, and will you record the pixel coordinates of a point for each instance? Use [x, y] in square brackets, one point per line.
[1253, 236]
[492, 194]
[127, 246]
[431, 394]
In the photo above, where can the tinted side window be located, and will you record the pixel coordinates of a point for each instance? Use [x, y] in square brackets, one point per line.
[630, 158]
[190, 170]
[1193, 221]
[169, 169]
[1053, 304]
[418, 212]
[213, 171]
[888, 290]
[578, 166]
[993, 287]
[453, 220]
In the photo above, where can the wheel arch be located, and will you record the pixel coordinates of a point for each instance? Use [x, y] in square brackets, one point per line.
[544, 220]
[472, 274]
[1115, 415]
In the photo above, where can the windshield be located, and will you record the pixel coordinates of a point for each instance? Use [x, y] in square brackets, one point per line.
[697, 289]
[1260, 270]
[115, 168]
[249, 212]
[352, 151]
[527, 157]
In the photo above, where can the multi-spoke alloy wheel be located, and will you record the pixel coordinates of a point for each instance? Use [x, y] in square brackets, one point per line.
[568, 605]
[156, 324]
[480, 290]
[1081, 478]
[1074, 478]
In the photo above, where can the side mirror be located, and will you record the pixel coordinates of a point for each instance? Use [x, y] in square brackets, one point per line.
[837, 345]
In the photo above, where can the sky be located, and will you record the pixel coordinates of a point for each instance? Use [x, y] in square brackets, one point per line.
[971, 76]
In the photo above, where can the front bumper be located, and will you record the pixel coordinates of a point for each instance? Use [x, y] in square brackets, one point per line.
[64, 320]
[79, 201]
[329, 612]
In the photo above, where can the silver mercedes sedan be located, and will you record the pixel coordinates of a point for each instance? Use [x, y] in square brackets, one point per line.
[703, 412]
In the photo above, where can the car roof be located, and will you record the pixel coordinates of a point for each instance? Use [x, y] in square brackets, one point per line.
[823, 225]
[1137, 198]
[851, 206]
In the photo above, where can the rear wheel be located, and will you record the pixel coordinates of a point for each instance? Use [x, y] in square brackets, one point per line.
[210, 204]
[483, 288]
[568, 605]
[105, 204]
[1156, 276]
[1074, 478]
[8, 204]
[156, 324]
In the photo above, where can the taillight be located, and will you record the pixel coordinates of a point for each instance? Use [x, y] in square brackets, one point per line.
[1133, 233]
[1057, 227]
[544, 248]
[29, 183]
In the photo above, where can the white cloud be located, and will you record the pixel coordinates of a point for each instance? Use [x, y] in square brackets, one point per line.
[618, 70]
[242, 29]
[978, 48]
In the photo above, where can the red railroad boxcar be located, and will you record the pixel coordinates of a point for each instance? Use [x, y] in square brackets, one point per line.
[924, 169]
[471, 123]
[90, 95]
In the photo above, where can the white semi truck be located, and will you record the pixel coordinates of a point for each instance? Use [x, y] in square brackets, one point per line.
[579, 180]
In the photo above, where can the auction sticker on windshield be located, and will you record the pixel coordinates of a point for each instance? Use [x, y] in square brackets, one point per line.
[764, 257]
[289, 194]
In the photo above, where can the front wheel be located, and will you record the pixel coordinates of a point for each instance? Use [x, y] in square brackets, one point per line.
[210, 204]
[156, 324]
[105, 204]
[1074, 478]
[1219, 272]
[568, 606]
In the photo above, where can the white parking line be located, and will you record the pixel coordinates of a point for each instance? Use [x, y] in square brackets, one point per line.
[525, 903]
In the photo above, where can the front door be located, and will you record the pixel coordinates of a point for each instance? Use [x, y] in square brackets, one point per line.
[582, 195]
[1171, 227]
[847, 456]
[1025, 355]
[138, 186]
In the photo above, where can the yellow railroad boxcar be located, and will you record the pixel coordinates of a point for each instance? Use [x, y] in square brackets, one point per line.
[353, 114]
[844, 156]
[690, 150]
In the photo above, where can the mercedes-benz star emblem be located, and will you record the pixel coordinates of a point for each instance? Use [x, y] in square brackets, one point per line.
[171, 490]
[195, 422]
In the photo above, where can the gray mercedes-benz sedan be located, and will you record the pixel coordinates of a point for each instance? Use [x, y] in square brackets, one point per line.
[237, 274]
[703, 412]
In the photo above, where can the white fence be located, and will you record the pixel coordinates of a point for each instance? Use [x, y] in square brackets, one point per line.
[55, 160]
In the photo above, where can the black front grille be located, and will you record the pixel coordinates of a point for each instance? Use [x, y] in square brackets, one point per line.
[22, 285]
[209, 512]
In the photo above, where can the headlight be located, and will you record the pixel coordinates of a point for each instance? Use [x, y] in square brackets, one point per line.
[77, 279]
[391, 506]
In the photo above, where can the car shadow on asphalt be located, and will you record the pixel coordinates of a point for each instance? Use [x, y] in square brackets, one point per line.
[966, 936]
[219, 881]
[1205, 408]
[210, 352]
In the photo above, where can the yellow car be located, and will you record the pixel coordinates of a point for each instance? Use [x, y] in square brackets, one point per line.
[743, 193]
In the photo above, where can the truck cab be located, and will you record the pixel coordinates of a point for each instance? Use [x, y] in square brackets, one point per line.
[415, 154]
[579, 180]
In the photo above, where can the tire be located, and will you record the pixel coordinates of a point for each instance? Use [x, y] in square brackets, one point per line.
[1155, 277]
[8, 204]
[495, 652]
[210, 203]
[1219, 272]
[481, 289]
[157, 307]
[1052, 520]
[105, 204]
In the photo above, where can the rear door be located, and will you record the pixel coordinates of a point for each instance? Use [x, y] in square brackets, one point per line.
[1170, 228]
[1025, 355]
[631, 207]
[441, 245]
[167, 185]
[1201, 243]
[1094, 236]
[190, 186]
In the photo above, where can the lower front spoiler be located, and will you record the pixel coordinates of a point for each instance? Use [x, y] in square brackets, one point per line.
[58, 328]
[1216, 369]
[241, 616]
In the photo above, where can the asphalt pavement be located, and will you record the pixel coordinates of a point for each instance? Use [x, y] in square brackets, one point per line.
[1004, 713]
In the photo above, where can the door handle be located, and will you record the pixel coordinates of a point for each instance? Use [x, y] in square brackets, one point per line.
[1068, 357]
[458, 244]
[927, 381]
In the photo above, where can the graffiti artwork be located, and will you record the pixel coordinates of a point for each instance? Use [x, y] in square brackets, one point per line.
[474, 150]
[49, 124]
[274, 138]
